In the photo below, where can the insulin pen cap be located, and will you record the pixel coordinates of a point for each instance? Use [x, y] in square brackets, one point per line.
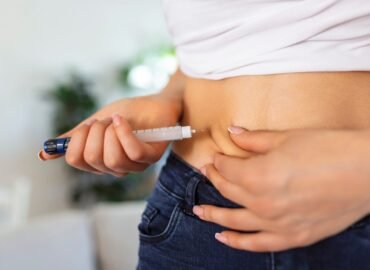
[56, 146]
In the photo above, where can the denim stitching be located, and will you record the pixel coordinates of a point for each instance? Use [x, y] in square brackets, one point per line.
[163, 188]
[149, 212]
[192, 170]
[145, 218]
[167, 231]
[272, 255]
[190, 195]
[191, 189]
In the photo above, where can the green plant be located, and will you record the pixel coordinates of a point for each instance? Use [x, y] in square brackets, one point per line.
[73, 103]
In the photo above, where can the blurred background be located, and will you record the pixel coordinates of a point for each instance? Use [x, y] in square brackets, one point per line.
[59, 62]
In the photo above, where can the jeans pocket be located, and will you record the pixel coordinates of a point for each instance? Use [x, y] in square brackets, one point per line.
[155, 227]
[160, 216]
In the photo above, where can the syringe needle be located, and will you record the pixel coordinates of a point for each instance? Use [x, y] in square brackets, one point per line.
[197, 130]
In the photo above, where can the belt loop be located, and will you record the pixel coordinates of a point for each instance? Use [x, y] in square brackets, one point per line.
[190, 193]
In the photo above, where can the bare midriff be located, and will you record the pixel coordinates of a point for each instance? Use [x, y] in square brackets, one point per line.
[271, 102]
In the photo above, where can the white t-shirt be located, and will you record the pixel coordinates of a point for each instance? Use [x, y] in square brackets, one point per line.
[217, 39]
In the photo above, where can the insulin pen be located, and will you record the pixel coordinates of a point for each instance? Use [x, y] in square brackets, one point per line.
[60, 145]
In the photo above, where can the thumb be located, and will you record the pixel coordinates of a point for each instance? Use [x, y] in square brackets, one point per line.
[256, 141]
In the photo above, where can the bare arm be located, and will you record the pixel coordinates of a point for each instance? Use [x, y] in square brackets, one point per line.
[104, 142]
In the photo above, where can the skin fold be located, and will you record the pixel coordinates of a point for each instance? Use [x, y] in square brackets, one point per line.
[296, 188]
[271, 102]
[282, 103]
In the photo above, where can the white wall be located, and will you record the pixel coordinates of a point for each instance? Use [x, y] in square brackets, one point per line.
[39, 41]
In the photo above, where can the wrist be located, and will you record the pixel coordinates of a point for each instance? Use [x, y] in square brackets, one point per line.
[172, 96]
[175, 87]
[172, 100]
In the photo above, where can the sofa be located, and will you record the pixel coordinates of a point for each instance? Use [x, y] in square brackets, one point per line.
[103, 238]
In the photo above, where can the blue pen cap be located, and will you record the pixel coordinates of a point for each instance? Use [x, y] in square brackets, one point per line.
[56, 146]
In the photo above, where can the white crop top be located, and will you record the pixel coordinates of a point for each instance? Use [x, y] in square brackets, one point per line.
[216, 39]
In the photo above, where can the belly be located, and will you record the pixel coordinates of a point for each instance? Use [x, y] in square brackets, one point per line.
[273, 102]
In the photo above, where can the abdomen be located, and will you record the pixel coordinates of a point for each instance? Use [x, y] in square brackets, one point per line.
[271, 102]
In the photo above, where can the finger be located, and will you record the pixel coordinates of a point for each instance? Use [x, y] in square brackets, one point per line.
[257, 242]
[74, 153]
[94, 146]
[43, 156]
[115, 157]
[257, 141]
[135, 149]
[236, 170]
[234, 218]
[227, 189]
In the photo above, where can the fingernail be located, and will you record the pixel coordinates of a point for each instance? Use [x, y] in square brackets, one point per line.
[235, 130]
[203, 170]
[40, 156]
[198, 210]
[116, 119]
[221, 238]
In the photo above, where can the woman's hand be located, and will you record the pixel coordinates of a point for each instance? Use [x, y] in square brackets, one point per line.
[298, 187]
[104, 143]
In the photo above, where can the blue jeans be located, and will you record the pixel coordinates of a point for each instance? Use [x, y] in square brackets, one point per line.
[172, 238]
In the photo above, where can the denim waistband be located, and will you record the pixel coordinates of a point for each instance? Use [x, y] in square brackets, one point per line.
[186, 183]
[183, 167]
[177, 173]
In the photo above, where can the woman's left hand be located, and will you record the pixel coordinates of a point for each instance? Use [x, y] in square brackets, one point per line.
[299, 187]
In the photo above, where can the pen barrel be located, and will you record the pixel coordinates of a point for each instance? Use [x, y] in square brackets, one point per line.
[164, 134]
[60, 145]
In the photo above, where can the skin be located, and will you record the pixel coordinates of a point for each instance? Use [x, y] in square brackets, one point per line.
[103, 143]
[269, 102]
[295, 189]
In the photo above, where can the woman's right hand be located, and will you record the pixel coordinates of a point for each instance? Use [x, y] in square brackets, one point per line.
[104, 142]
